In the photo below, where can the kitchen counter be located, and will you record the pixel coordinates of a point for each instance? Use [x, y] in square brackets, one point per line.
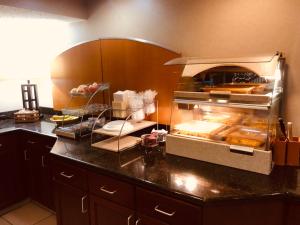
[44, 126]
[190, 179]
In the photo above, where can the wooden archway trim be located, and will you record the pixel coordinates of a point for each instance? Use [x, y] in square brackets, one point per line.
[125, 64]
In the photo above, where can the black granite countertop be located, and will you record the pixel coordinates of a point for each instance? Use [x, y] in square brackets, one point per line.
[45, 126]
[196, 180]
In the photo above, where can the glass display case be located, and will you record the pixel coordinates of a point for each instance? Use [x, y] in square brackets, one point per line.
[225, 111]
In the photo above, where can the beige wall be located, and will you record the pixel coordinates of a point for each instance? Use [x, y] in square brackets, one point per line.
[208, 28]
[154, 20]
[72, 8]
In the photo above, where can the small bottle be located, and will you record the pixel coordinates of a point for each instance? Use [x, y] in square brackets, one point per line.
[197, 112]
[290, 131]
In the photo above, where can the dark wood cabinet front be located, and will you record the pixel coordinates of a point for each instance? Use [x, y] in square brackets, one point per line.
[293, 213]
[258, 212]
[84, 197]
[71, 205]
[9, 171]
[25, 169]
[145, 220]
[104, 212]
[166, 209]
[38, 166]
[33, 156]
[112, 189]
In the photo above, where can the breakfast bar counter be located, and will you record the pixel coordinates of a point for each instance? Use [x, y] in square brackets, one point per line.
[190, 179]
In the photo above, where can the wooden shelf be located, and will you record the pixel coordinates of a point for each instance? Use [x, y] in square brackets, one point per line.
[136, 127]
[111, 144]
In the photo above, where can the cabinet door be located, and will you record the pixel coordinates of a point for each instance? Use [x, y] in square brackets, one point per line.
[33, 153]
[239, 212]
[40, 185]
[8, 171]
[144, 220]
[20, 166]
[167, 209]
[104, 212]
[47, 196]
[293, 213]
[71, 205]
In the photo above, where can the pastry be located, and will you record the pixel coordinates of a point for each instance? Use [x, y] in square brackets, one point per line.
[221, 136]
[197, 128]
[256, 122]
[247, 137]
[230, 89]
[227, 118]
[244, 142]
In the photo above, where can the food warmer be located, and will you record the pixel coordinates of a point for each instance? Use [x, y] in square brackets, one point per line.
[225, 111]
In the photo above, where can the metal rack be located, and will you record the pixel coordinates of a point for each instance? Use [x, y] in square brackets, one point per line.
[120, 140]
[74, 130]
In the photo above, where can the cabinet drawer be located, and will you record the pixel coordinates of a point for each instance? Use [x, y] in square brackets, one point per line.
[70, 175]
[167, 209]
[244, 212]
[6, 143]
[112, 189]
[44, 143]
[105, 212]
[293, 213]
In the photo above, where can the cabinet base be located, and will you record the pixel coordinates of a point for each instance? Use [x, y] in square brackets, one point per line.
[260, 161]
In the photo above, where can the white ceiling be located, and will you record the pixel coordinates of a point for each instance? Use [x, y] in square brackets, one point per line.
[13, 12]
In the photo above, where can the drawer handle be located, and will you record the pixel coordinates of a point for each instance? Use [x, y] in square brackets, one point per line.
[31, 142]
[128, 219]
[66, 176]
[137, 222]
[43, 161]
[107, 191]
[26, 158]
[163, 212]
[1, 145]
[83, 209]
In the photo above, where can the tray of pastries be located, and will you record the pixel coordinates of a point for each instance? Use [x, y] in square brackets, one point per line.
[225, 118]
[247, 88]
[247, 136]
[63, 119]
[198, 128]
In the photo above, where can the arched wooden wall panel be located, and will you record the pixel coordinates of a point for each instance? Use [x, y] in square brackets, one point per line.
[125, 64]
[78, 65]
[139, 66]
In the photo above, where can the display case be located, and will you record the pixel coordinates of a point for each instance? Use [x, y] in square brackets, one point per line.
[225, 111]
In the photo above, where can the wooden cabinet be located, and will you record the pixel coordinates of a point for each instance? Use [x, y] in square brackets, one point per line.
[71, 196]
[104, 212]
[112, 189]
[293, 213]
[25, 169]
[242, 212]
[71, 205]
[145, 220]
[111, 201]
[38, 166]
[10, 189]
[166, 209]
[84, 197]
[70, 175]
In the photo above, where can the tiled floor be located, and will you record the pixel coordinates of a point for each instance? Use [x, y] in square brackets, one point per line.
[28, 214]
